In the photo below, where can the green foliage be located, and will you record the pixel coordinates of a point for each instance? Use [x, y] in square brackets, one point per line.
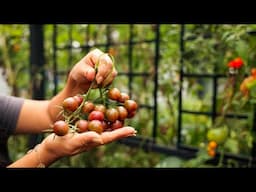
[14, 58]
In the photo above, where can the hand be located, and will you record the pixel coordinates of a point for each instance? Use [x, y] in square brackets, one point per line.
[75, 143]
[83, 73]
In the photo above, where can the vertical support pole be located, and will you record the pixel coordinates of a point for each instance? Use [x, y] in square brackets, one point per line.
[130, 50]
[37, 71]
[156, 61]
[253, 154]
[182, 32]
[55, 73]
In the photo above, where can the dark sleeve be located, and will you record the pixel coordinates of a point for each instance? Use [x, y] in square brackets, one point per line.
[9, 112]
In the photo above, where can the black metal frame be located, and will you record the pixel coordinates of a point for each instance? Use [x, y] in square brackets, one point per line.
[148, 144]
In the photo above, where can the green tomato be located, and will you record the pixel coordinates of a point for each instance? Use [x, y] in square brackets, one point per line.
[251, 84]
[219, 134]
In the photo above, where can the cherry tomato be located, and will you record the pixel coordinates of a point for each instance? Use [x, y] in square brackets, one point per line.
[111, 114]
[60, 128]
[130, 105]
[123, 97]
[218, 135]
[211, 153]
[114, 94]
[131, 114]
[95, 125]
[88, 107]
[79, 99]
[96, 115]
[117, 124]
[212, 144]
[100, 107]
[82, 125]
[105, 125]
[253, 72]
[123, 113]
[70, 104]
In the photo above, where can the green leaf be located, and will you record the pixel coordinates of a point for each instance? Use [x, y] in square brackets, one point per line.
[232, 145]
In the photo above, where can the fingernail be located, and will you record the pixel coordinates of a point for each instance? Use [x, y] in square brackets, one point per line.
[100, 79]
[133, 134]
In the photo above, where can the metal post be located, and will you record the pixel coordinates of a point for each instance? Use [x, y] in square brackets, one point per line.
[182, 46]
[37, 71]
[253, 154]
[156, 61]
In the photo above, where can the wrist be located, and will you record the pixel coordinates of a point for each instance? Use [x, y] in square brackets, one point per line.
[45, 156]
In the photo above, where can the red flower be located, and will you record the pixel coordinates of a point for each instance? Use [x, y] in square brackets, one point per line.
[236, 63]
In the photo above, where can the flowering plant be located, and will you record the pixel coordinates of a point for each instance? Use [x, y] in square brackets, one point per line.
[239, 90]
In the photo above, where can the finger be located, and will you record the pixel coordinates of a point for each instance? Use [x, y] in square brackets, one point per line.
[114, 135]
[83, 73]
[89, 139]
[93, 57]
[89, 73]
[110, 78]
[104, 69]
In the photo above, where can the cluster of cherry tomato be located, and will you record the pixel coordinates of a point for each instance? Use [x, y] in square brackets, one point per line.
[211, 148]
[105, 113]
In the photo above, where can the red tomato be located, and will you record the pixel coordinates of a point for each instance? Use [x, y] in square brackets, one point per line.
[88, 107]
[130, 105]
[117, 124]
[96, 115]
[60, 128]
[79, 99]
[111, 114]
[70, 104]
[131, 114]
[100, 107]
[114, 94]
[82, 125]
[95, 125]
[123, 113]
[123, 97]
